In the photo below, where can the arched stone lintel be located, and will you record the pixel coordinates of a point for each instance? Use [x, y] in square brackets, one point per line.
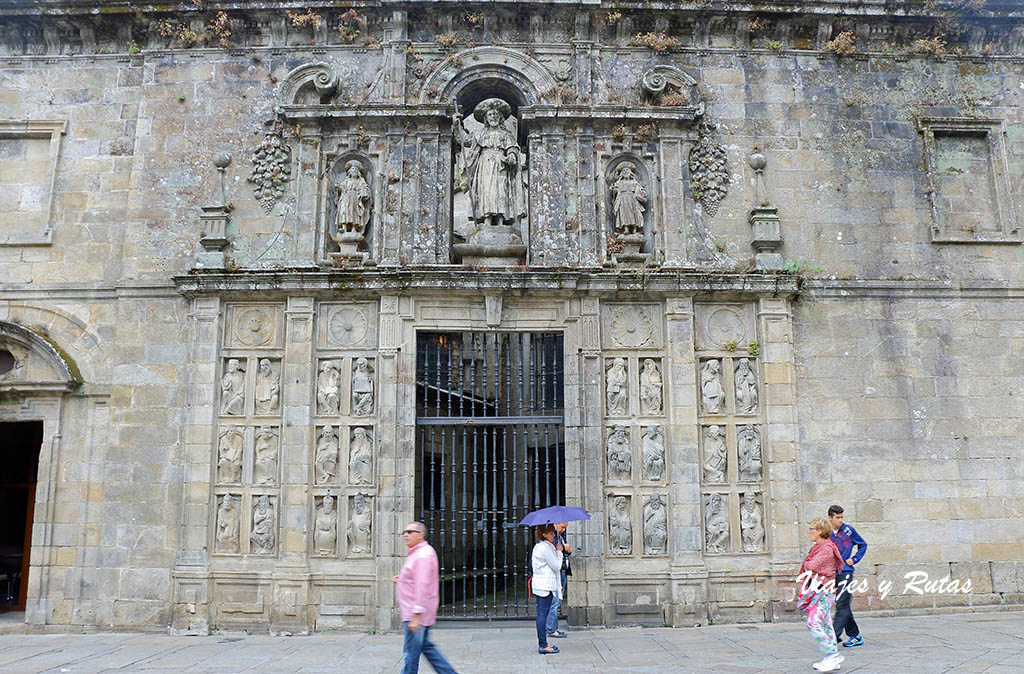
[524, 72]
[321, 75]
[68, 375]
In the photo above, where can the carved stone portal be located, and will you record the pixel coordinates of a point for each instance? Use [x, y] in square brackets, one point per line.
[620, 528]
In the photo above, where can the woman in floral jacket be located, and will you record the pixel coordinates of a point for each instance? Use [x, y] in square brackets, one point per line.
[818, 583]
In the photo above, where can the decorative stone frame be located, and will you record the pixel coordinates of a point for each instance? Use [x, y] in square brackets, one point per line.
[52, 129]
[993, 131]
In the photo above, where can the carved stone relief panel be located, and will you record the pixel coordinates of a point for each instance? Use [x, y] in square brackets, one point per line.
[360, 456]
[230, 450]
[712, 392]
[651, 387]
[620, 525]
[631, 326]
[716, 523]
[655, 525]
[751, 523]
[363, 387]
[229, 524]
[724, 327]
[267, 393]
[253, 326]
[653, 454]
[232, 388]
[263, 535]
[266, 453]
[620, 455]
[328, 388]
[748, 449]
[325, 527]
[616, 389]
[325, 456]
[745, 383]
[715, 463]
[359, 530]
[347, 326]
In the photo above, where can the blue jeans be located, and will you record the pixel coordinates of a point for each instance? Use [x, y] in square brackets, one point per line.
[419, 642]
[552, 624]
[543, 609]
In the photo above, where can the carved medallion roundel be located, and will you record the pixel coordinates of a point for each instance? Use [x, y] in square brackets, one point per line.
[725, 325]
[255, 327]
[346, 326]
[631, 327]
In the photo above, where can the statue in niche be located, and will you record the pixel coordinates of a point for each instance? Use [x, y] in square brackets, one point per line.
[263, 526]
[229, 455]
[619, 455]
[325, 527]
[650, 388]
[268, 390]
[628, 199]
[265, 468]
[328, 387]
[746, 388]
[359, 526]
[617, 390]
[711, 392]
[653, 453]
[352, 201]
[655, 526]
[325, 462]
[362, 389]
[751, 527]
[228, 525]
[490, 164]
[716, 524]
[620, 528]
[714, 455]
[748, 441]
[360, 457]
[232, 389]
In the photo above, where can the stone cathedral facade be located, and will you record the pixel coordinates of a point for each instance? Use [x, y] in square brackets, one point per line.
[279, 280]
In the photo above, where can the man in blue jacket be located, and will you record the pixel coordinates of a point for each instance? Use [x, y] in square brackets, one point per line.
[846, 538]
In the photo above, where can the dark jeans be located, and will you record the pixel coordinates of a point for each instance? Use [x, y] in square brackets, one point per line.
[543, 609]
[419, 642]
[844, 616]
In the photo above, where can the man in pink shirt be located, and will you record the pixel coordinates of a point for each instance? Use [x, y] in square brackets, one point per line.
[416, 587]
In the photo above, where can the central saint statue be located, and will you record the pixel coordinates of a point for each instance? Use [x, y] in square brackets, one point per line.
[491, 164]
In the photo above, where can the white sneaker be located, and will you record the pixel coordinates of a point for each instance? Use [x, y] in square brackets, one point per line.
[829, 663]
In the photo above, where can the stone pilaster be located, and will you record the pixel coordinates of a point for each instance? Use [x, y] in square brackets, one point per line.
[396, 446]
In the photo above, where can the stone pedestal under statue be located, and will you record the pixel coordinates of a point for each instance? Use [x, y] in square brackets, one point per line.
[492, 246]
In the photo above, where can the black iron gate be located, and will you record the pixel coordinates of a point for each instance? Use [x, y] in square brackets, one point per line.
[489, 449]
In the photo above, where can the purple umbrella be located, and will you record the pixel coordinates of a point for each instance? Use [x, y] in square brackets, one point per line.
[554, 514]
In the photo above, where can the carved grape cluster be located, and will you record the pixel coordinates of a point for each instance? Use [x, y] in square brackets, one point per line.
[709, 174]
[271, 170]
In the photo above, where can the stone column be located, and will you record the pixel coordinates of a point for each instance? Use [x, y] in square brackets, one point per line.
[191, 572]
[674, 209]
[291, 610]
[687, 570]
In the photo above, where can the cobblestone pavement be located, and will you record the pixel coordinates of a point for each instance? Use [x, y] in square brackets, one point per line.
[965, 642]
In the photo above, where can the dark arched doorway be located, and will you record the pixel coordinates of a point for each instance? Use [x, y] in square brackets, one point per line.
[19, 456]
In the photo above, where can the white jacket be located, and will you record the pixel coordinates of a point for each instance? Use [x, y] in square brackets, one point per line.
[547, 570]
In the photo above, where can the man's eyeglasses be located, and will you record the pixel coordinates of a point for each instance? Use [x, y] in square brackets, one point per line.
[412, 531]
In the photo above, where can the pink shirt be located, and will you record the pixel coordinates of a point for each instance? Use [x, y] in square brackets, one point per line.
[418, 585]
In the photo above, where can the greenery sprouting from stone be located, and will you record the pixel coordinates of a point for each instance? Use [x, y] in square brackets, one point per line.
[348, 25]
[934, 46]
[843, 44]
[754, 348]
[305, 20]
[730, 345]
[659, 42]
[646, 132]
[802, 268]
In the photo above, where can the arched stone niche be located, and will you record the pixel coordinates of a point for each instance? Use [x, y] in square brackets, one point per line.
[643, 175]
[521, 72]
[309, 84]
[30, 363]
[335, 177]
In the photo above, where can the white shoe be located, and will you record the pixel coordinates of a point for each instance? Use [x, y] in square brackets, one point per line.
[829, 663]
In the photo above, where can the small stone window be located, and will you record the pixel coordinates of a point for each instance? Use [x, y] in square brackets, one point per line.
[965, 160]
[28, 167]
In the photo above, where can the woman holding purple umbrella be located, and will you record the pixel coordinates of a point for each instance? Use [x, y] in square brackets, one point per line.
[546, 582]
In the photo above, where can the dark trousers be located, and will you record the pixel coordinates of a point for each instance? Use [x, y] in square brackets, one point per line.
[543, 609]
[417, 643]
[844, 616]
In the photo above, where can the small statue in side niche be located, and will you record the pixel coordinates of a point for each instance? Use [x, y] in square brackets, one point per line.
[268, 389]
[711, 391]
[229, 455]
[619, 455]
[227, 525]
[263, 526]
[232, 389]
[749, 451]
[629, 197]
[325, 528]
[650, 388]
[653, 453]
[620, 528]
[746, 388]
[617, 390]
[326, 460]
[362, 389]
[265, 468]
[491, 162]
[751, 526]
[655, 526]
[716, 524]
[360, 457]
[328, 386]
[352, 201]
[714, 455]
[359, 526]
